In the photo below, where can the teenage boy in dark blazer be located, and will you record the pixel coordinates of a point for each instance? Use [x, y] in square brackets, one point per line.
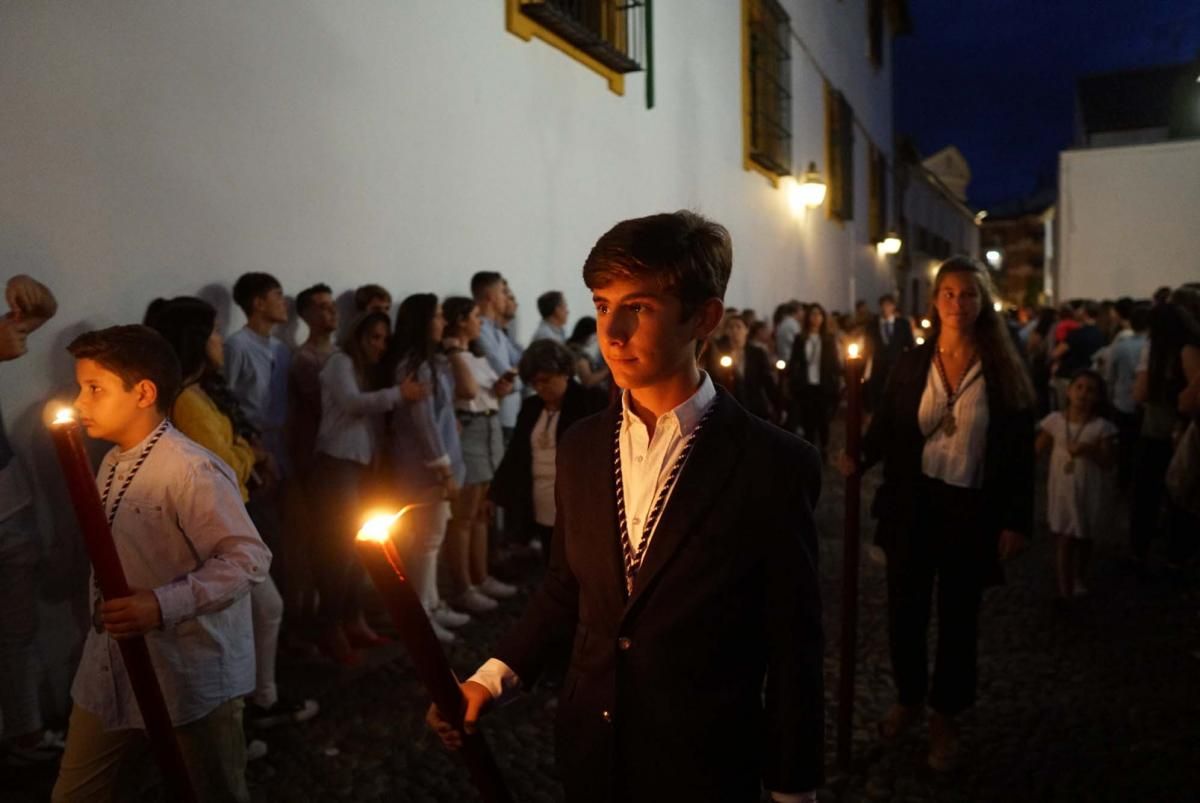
[695, 672]
[888, 336]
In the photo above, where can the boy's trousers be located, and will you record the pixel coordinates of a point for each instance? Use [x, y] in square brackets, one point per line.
[101, 766]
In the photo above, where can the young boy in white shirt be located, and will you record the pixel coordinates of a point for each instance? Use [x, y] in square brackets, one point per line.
[190, 555]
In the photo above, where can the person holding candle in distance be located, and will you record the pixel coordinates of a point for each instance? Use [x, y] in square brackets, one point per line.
[955, 434]
[815, 376]
[30, 304]
[191, 555]
[684, 558]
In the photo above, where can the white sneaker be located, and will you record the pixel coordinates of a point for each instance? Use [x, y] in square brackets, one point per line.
[255, 749]
[446, 617]
[443, 635]
[474, 601]
[496, 589]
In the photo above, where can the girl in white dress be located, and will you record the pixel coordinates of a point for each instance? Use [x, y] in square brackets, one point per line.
[1080, 489]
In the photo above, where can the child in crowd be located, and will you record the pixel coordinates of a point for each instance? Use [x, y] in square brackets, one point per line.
[205, 412]
[191, 555]
[1080, 488]
[478, 391]
[424, 451]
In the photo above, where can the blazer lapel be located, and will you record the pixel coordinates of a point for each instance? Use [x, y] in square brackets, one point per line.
[701, 484]
[601, 483]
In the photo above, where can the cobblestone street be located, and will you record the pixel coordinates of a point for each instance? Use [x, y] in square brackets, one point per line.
[1096, 702]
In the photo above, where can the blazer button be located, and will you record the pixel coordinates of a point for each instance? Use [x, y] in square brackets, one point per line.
[606, 716]
[623, 643]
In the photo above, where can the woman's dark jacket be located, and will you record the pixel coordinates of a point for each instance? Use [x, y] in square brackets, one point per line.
[831, 368]
[1008, 467]
[512, 485]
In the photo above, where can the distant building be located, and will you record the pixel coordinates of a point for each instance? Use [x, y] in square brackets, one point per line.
[1137, 107]
[1129, 190]
[935, 222]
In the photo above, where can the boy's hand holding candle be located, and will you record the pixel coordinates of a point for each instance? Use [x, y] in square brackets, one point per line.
[130, 616]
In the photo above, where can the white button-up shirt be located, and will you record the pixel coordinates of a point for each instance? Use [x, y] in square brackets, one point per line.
[183, 532]
[955, 459]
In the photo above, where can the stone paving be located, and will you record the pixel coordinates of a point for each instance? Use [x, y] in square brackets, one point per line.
[1099, 701]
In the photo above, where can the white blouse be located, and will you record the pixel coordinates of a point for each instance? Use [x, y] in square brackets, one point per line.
[955, 459]
[544, 444]
[485, 400]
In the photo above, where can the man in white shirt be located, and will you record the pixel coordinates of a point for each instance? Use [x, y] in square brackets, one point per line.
[489, 291]
[683, 560]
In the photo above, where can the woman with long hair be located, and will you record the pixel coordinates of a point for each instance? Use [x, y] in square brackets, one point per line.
[354, 399]
[955, 435]
[589, 365]
[424, 451]
[207, 412]
[814, 376]
[478, 391]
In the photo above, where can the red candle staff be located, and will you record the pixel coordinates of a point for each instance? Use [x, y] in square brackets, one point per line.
[382, 562]
[110, 577]
[854, 374]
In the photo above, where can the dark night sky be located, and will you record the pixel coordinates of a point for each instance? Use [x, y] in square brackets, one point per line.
[997, 77]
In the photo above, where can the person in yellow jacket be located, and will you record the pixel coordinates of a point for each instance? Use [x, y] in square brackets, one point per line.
[207, 412]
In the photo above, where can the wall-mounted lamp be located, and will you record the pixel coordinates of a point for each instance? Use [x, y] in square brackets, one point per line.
[890, 244]
[994, 257]
[810, 187]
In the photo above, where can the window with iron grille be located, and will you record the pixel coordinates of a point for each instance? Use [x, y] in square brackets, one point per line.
[875, 32]
[768, 89]
[610, 31]
[839, 154]
[877, 222]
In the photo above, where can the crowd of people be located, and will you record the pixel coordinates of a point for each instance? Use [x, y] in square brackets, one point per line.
[440, 408]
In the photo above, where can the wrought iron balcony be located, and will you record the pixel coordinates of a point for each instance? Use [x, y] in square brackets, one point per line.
[613, 32]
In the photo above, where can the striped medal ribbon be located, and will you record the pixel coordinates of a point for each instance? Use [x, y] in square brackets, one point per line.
[112, 514]
[633, 558]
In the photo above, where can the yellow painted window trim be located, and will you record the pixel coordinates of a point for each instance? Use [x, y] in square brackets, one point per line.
[527, 28]
[749, 164]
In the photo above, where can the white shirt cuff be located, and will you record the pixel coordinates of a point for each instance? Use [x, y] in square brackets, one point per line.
[497, 678]
[176, 602]
[441, 462]
[794, 797]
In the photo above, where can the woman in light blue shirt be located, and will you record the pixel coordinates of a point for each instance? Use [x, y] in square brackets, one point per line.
[424, 450]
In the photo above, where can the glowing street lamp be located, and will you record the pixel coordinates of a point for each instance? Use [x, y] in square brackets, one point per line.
[811, 188]
[890, 244]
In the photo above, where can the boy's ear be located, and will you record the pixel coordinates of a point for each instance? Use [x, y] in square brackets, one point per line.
[147, 393]
[708, 317]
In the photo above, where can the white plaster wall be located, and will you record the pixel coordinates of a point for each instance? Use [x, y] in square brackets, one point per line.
[1128, 220]
[160, 148]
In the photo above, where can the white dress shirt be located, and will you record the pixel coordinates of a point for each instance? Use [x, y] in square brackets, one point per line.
[785, 337]
[955, 459]
[183, 532]
[812, 357]
[544, 444]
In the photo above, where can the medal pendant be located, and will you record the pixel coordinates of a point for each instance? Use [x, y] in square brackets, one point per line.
[1069, 468]
[949, 425]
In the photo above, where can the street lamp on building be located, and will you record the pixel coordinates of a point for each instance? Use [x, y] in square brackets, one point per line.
[890, 244]
[994, 258]
[810, 187]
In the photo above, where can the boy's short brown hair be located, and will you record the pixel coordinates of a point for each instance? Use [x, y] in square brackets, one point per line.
[133, 353]
[688, 255]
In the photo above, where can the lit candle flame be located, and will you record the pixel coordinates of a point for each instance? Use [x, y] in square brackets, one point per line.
[926, 323]
[65, 415]
[727, 361]
[379, 528]
[853, 351]
[780, 364]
